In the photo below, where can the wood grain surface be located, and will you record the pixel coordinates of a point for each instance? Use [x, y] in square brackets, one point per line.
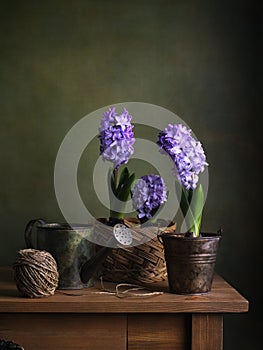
[59, 332]
[222, 299]
[88, 319]
[207, 331]
[159, 332]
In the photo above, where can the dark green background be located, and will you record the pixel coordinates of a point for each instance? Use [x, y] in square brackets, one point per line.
[60, 60]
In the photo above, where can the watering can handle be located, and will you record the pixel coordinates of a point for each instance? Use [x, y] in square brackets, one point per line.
[29, 231]
[159, 237]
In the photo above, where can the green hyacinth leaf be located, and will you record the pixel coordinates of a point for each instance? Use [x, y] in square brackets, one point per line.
[182, 194]
[197, 209]
[198, 201]
[185, 195]
[114, 190]
[111, 182]
[124, 190]
[123, 179]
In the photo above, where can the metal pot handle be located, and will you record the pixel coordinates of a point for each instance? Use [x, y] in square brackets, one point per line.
[29, 231]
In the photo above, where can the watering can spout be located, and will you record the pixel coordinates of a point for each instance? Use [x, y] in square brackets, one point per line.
[91, 266]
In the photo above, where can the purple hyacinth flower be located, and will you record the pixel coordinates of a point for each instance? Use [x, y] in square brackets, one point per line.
[148, 194]
[116, 137]
[186, 153]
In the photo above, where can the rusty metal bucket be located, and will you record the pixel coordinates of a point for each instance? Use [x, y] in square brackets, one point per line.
[68, 245]
[190, 262]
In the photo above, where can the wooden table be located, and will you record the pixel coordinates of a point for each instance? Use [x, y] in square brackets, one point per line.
[89, 320]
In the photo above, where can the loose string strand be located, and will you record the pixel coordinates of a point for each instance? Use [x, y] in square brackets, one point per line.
[127, 292]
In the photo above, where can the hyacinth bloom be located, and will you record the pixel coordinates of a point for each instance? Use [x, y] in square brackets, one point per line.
[116, 137]
[187, 153]
[148, 194]
[189, 159]
[116, 145]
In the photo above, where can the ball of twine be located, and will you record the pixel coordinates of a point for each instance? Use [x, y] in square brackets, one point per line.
[35, 273]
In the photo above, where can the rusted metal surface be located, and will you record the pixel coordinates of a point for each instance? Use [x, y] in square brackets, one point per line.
[190, 262]
[70, 247]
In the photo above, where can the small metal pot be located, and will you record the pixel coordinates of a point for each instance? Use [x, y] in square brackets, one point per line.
[76, 257]
[190, 262]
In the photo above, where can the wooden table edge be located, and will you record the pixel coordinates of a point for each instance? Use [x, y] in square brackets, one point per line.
[222, 299]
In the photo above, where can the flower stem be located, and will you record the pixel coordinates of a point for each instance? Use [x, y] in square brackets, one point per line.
[115, 173]
[115, 214]
[121, 189]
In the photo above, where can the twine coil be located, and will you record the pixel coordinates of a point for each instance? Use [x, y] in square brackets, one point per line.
[35, 273]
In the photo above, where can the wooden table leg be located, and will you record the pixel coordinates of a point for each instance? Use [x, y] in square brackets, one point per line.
[207, 332]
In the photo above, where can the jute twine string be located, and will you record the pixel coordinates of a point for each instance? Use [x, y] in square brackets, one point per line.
[128, 291]
[35, 273]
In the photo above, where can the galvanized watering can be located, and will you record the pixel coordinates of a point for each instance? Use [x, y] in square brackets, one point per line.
[75, 255]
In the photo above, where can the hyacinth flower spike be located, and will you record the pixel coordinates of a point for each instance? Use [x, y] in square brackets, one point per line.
[189, 160]
[116, 145]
